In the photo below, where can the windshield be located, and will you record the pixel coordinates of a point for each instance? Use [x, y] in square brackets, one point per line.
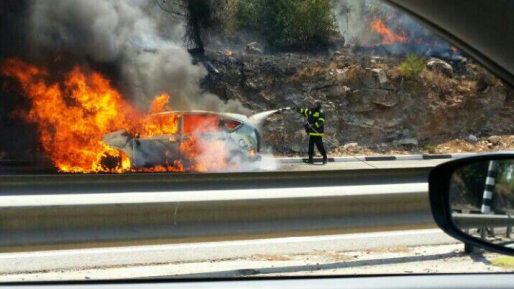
[239, 138]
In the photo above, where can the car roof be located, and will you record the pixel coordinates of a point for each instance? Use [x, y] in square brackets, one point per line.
[235, 116]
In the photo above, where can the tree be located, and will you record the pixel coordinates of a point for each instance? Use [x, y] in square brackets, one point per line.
[288, 24]
[198, 15]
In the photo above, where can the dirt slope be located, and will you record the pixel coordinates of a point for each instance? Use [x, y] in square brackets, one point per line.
[371, 106]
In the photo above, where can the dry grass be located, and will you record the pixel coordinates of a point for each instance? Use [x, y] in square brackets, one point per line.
[336, 256]
[401, 249]
[436, 81]
[271, 257]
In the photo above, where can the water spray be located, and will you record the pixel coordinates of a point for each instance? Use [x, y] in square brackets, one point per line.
[258, 118]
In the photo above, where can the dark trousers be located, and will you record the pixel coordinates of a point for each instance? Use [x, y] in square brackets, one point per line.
[318, 140]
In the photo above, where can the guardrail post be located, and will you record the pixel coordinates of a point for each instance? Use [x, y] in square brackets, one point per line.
[509, 226]
[468, 248]
[483, 233]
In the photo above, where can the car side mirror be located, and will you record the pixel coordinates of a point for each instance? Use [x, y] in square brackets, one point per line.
[472, 200]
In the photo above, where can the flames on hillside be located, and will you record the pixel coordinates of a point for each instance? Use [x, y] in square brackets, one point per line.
[399, 34]
[387, 34]
[73, 114]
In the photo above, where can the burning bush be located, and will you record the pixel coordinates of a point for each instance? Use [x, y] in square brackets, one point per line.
[287, 24]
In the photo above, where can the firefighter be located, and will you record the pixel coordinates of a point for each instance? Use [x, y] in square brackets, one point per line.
[315, 127]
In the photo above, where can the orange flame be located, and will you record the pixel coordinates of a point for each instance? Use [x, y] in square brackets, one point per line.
[388, 36]
[160, 124]
[72, 117]
[160, 103]
[229, 52]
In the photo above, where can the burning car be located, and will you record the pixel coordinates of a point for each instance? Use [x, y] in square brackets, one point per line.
[232, 137]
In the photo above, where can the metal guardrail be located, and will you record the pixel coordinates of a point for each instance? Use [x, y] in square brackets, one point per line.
[324, 209]
[473, 221]
[152, 182]
[486, 226]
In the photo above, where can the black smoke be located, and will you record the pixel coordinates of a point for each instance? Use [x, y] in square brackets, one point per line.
[132, 42]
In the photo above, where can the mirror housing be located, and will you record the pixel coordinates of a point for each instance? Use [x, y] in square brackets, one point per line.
[442, 184]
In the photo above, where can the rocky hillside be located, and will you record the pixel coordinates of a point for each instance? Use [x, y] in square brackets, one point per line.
[372, 106]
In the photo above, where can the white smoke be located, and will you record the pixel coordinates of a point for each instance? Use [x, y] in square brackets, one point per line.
[353, 21]
[142, 40]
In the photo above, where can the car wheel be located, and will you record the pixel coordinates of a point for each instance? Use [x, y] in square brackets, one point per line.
[110, 162]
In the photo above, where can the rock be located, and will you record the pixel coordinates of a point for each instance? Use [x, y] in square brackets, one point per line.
[376, 78]
[351, 147]
[441, 66]
[377, 58]
[494, 139]
[366, 100]
[338, 91]
[392, 122]
[381, 76]
[334, 142]
[408, 142]
[296, 148]
[472, 139]
[357, 120]
[511, 139]
[341, 71]
[384, 99]
[253, 48]
[251, 85]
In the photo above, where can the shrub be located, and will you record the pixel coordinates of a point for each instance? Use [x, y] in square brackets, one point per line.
[429, 148]
[411, 67]
[288, 24]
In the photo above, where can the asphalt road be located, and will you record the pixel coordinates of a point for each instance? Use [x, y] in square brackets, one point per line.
[267, 164]
[361, 165]
[397, 252]
[67, 260]
[400, 252]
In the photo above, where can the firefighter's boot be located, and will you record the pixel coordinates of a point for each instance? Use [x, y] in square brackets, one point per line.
[309, 161]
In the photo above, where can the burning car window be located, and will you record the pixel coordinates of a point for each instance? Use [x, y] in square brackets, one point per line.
[200, 123]
[231, 124]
